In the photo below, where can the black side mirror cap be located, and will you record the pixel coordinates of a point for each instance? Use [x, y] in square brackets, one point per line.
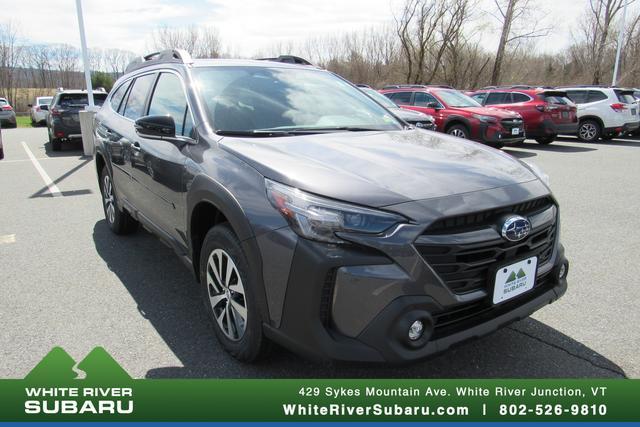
[157, 127]
[44, 107]
[434, 105]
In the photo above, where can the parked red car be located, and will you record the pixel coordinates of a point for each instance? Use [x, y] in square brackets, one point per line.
[546, 112]
[459, 115]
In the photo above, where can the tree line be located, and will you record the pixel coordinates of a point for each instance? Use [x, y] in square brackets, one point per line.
[425, 42]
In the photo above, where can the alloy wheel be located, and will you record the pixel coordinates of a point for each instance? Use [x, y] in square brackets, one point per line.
[457, 132]
[109, 202]
[588, 131]
[226, 294]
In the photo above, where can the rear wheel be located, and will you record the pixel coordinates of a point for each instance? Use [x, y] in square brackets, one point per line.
[546, 140]
[229, 295]
[119, 221]
[55, 143]
[589, 131]
[458, 130]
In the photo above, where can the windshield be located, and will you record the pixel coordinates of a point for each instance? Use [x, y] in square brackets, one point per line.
[453, 98]
[380, 98]
[44, 101]
[253, 99]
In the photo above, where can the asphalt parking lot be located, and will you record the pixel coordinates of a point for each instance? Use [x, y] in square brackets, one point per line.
[65, 280]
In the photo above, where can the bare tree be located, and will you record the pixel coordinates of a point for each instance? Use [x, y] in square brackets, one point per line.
[596, 30]
[11, 57]
[200, 42]
[510, 14]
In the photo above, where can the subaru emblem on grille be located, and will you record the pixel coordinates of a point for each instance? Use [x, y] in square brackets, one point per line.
[516, 228]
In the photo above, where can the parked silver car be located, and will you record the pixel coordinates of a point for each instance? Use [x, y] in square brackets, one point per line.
[7, 115]
[39, 110]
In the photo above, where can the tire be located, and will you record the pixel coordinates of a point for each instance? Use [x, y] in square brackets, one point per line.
[589, 131]
[458, 130]
[546, 140]
[55, 143]
[243, 338]
[120, 222]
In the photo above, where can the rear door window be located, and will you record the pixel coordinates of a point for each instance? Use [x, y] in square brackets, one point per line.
[577, 96]
[498, 98]
[136, 102]
[596, 95]
[519, 97]
[400, 97]
[118, 95]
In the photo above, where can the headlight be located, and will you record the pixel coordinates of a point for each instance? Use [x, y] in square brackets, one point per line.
[485, 119]
[538, 172]
[317, 218]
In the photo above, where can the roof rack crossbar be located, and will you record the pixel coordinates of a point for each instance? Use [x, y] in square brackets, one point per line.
[170, 55]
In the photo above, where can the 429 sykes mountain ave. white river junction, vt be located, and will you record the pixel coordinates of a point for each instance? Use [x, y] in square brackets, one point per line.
[503, 391]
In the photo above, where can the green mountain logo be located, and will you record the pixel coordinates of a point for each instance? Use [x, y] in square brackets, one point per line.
[511, 277]
[521, 274]
[59, 366]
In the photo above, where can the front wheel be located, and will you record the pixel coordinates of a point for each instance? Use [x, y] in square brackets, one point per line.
[546, 140]
[458, 130]
[230, 296]
[120, 222]
[589, 131]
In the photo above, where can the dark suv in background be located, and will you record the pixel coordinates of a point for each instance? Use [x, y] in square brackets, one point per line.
[63, 120]
[459, 115]
[313, 217]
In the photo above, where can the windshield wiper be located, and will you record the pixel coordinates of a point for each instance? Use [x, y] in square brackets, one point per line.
[274, 132]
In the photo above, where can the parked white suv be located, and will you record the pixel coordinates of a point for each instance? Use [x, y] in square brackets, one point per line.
[39, 114]
[604, 112]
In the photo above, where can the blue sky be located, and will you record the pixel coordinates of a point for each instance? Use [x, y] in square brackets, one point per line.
[247, 27]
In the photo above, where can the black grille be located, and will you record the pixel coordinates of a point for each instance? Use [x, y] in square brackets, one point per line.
[469, 315]
[469, 267]
[511, 123]
[327, 296]
[468, 222]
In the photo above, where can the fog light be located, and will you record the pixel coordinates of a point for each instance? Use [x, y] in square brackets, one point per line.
[563, 271]
[415, 330]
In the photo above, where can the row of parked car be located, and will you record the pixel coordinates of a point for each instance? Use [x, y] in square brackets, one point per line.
[505, 115]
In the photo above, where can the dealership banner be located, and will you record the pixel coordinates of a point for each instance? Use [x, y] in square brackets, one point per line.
[98, 389]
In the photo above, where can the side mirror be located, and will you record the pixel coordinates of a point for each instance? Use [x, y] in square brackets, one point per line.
[44, 107]
[156, 127]
[29, 105]
[433, 105]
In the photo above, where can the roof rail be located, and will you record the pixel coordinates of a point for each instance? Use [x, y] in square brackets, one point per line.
[179, 56]
[289, 59]
[404, 86]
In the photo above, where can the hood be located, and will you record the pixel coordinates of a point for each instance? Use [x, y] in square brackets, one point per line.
[499, 113]
[405, 114]
[380, 168]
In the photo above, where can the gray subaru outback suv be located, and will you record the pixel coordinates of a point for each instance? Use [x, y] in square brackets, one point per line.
[315, 218]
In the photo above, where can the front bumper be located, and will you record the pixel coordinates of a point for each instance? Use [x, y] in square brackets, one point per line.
[356, 303]
[499, 135]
